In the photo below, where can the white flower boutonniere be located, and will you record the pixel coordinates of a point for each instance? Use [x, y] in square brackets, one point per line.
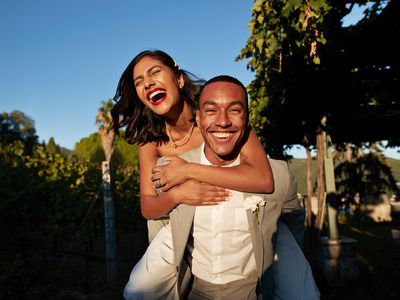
[253, 203]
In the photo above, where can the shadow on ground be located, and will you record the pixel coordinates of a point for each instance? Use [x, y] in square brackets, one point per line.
[30, 269]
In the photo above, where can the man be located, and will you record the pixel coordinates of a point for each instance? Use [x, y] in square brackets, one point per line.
[223, 258]
[226, 251]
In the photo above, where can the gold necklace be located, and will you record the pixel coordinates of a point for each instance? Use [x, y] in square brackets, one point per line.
[182, 141]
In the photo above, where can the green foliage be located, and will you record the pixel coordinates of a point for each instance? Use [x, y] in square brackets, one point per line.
[16, 126]
[91, 149]
[281, 28]
[124, 153]
[308, 67]
[45, 192]
[281, 33]
[52, 204]
[126, 197]
[104, 121]
[60, 196]
[103, 117]
[52, 147]
[367, 175]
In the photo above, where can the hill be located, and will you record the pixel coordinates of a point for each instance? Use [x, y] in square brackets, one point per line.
[394, 164]
[298, 167]
[66, 151]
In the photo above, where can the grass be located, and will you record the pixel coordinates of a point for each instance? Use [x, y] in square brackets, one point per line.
[379, 262]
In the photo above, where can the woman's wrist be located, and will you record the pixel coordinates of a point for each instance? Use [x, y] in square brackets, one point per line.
[173, 197]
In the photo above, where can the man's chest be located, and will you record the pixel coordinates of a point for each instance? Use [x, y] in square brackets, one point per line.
[223, 223]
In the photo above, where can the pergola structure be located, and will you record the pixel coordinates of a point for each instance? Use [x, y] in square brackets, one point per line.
[371, 106]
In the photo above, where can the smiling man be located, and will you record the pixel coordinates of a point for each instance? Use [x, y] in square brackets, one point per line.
[230, 247]
[227, 251]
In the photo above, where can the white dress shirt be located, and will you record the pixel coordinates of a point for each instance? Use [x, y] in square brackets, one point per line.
[222, 249]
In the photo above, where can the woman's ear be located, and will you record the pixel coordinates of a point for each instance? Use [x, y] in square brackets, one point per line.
[181, 81]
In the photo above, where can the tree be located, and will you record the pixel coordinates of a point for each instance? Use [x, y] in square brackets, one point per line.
[284, 52]
[285, 36]
[313, 81]
[364, 174]
[91, 148]
[308, 67]
[103, 121]
[52, 147]
[310, 79]
[17, 126]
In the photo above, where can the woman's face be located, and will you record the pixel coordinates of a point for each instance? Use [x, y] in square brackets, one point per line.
[157, 85]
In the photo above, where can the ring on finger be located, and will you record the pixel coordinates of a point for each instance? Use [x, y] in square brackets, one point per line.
[158, 183]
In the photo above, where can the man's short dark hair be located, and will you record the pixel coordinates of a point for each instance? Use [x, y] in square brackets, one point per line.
[226, 78]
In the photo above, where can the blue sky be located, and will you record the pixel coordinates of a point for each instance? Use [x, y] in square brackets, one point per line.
[59, 59]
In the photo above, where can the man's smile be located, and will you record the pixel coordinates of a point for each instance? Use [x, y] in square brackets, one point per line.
[222, 135]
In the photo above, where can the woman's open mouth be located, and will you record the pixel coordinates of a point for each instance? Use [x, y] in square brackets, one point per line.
[157, 96]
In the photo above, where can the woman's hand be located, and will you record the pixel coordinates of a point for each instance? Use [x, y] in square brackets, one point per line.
[171, 174]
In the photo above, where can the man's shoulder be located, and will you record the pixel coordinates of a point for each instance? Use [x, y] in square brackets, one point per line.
[277, 164]
[192, 155]
[280, 171]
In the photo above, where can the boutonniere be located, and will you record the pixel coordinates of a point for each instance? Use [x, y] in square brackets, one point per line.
[253, 203]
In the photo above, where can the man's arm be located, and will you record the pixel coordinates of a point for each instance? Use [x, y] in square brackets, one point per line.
[292, 212]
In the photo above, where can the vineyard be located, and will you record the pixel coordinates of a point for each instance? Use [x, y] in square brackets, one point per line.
[52, 219]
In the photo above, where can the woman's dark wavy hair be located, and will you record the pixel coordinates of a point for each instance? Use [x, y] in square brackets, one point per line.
[142, 124]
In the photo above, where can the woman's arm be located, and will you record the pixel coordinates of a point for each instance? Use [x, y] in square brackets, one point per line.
[252, 175]
[150, 206]
[154, 206]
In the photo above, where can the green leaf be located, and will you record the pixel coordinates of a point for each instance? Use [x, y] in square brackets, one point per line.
[260, 44]
[260, 18]
[251, 26]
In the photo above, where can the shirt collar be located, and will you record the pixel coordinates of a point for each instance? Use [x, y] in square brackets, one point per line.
[205, 161]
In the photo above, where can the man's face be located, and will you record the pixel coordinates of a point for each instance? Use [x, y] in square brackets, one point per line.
[222, 119]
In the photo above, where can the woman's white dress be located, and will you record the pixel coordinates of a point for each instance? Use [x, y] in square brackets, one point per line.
[153, 277]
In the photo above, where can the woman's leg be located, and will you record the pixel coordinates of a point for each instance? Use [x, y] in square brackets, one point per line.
[153, 277]
[154, 226]
[292, 273]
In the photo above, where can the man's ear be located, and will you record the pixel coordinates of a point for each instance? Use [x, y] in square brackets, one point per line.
[198, 118]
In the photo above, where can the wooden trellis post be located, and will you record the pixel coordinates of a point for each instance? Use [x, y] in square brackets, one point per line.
[109, 226]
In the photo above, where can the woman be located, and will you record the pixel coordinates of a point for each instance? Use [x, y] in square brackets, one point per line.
[157, 103]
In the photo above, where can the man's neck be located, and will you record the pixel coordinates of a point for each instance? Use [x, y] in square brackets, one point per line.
[219, 161]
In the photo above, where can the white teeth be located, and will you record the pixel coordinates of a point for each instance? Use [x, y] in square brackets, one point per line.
[222, 135]
[155, 93]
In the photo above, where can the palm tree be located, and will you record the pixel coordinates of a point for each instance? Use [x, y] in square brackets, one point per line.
[103, 120]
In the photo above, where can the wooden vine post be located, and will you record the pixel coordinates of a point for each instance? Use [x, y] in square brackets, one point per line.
[109, 226]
